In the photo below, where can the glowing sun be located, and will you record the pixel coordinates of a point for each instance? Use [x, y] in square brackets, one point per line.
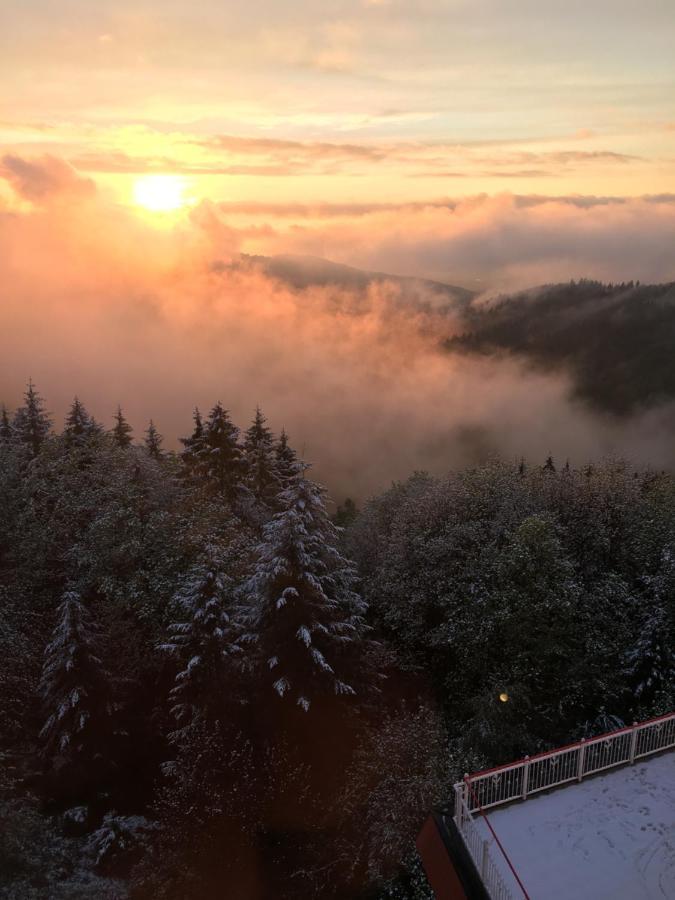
[161, 193]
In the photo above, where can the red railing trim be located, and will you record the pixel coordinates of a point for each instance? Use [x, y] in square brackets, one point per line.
[585, 743]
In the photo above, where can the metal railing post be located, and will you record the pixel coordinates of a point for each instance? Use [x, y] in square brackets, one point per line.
[633, 743]
[458, 805]
[484, 861]
[526, 776]
[582, 757]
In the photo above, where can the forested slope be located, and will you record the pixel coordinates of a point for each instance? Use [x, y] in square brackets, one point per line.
[615, 341]
[205, 682]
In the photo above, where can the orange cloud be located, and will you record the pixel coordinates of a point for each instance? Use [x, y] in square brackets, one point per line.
[39, 179]
[98, 302]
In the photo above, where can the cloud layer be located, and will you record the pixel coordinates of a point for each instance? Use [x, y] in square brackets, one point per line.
[100, 302]
[487, 241]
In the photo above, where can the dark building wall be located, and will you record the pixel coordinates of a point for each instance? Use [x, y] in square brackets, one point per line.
[447, 864]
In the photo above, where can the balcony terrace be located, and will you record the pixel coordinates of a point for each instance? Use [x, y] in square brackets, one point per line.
[589, 821]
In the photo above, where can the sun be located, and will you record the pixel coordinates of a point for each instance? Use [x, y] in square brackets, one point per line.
[161, 193]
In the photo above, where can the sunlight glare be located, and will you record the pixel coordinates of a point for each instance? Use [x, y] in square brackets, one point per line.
[160, 193]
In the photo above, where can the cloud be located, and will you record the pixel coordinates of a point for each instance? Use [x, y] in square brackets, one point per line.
[498, 173]
[99, 303]
[325, 210]
[228, 154]
[562, 157]
[305, 149]
[120, 162]
[502, 240]
[413, 153]
[39, 179]
[509, 165]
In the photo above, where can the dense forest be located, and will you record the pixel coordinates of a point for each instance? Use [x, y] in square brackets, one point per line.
[214, 684]
[615, 340]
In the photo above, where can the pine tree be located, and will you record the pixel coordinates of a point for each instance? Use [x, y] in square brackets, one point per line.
[549, 465]
[6, 430]
[345, 513]
[304, 618]
[650, 664]
[121, 432]
[193, 444]
[153, 441]
[219, 461]
[79, 425]
[201, 642]
[31, 423]
[260, 458]
[286, 460]
[75, 689]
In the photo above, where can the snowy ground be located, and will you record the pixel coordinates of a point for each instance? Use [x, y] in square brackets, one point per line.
[612, 836]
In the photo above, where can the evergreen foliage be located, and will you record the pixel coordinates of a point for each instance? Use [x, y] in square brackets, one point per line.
[6, 430]
[153, 441]
[304, 613]
[75, 690]
[31, 425]
[201, 643]
[219, 462]
[80, 427]
[650, 663]
[549, 465]
[194, 444]
[122, 431]
[613, 342]
[345, 514]
[260, 458]
[224, 612]
[286, 460]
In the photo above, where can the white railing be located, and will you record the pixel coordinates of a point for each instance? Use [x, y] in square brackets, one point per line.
[518, 780]
[479, 849]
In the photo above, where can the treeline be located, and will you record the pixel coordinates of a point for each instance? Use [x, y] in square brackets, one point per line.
[203, 696]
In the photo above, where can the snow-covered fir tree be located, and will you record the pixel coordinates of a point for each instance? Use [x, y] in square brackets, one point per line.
[259, 454]
[345, 513]
[6, 430]
[218, 461]
[79, 425]
[304, 618]
[153, 441]
[76, 689]
[650, 663]
[121, 431]
[286, 460]
[31, 423]
[200, 641]
[194, 443]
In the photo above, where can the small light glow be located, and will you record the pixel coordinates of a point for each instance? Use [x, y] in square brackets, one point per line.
[504, 697]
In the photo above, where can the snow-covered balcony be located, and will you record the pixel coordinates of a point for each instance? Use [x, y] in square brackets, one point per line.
[543, 828]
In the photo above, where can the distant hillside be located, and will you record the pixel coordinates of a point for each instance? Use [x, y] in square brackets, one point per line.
[616, 341]
[302, 272]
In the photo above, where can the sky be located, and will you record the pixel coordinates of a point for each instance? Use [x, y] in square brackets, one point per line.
[493, 145]
[346, 100]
